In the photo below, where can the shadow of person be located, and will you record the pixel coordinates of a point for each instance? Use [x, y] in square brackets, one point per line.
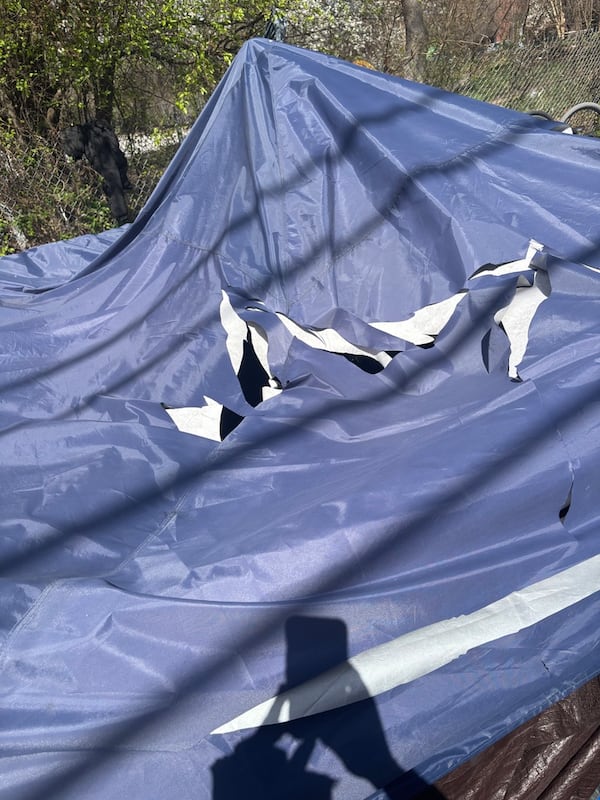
[258, 768]
[274, 761]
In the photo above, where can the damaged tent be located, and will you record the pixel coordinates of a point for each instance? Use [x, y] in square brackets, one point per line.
[300, 470]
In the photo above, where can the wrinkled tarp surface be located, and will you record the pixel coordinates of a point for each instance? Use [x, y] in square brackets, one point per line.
[376, 574]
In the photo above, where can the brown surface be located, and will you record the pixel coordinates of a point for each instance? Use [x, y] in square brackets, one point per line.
[554, 756]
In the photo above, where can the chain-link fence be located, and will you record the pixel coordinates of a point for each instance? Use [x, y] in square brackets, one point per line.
[551, 76]
[44, 196]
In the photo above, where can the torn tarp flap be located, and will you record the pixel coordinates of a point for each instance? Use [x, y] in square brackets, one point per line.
[157, 586]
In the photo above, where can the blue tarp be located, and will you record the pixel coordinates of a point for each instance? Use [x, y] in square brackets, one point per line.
[392, 558]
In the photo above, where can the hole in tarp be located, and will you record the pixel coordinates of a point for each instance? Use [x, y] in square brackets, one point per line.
[485, 350]
[247, 347]
[566, 505]
[229, 422]
[366, 363]
[488, 267]
[252, 375]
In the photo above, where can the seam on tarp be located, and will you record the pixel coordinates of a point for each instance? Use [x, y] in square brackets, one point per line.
[30, 614]
[213, 251]
[169, 517]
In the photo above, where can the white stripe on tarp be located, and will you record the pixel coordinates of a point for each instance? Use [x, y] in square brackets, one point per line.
[422, 651]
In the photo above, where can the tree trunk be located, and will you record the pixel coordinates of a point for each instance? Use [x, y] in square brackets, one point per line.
[509, 19]
[417, 39]
[580, 14]
[556, 12]
[104, 91]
